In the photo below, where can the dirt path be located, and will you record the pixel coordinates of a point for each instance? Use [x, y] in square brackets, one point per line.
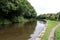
[51, 36]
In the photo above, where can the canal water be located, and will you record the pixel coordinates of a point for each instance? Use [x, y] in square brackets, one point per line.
[21, 31]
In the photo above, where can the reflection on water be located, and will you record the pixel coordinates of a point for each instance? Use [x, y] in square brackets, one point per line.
[38, 29]
[20, 31]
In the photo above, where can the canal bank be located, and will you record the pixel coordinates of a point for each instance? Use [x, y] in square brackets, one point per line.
[50, 25]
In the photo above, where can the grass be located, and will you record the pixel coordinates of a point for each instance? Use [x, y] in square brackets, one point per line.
[50, 25]
[57, 34]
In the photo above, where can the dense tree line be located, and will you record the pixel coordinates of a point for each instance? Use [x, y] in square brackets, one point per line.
[9, 9]
[50, 16]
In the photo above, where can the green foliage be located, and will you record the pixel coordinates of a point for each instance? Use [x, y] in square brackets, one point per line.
[9, 9]
[43, 16]
[50, 16]
[57, 34]
[58, 15]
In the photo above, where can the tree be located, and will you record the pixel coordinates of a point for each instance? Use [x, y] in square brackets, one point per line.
[58, 15]
[14, 8]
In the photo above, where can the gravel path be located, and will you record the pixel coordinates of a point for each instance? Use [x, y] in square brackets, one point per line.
[51, 36]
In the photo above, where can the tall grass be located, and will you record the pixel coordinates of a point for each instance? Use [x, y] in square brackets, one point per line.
[57, 34]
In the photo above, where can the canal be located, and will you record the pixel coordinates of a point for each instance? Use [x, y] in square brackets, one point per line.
[21, 31]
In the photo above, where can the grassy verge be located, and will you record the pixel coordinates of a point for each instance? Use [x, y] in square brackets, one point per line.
[50, 25]
[57, 34]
